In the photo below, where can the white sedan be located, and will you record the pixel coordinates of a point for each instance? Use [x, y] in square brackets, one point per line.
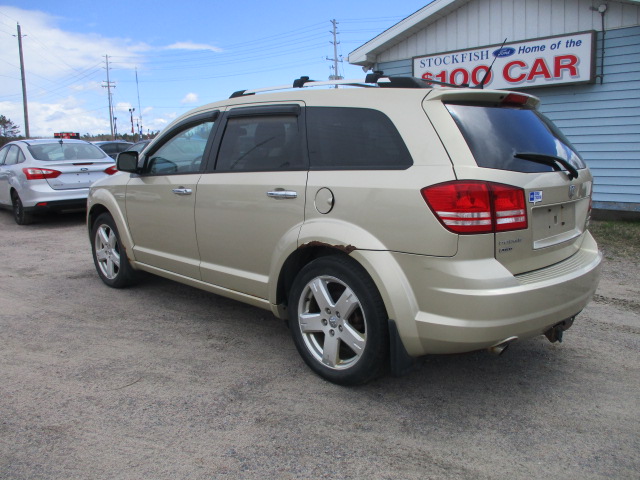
[39, 176]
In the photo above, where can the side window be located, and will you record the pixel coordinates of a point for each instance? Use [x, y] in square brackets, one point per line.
[109, 148]
[261, 143]
[354, 139]
[3, 154]
[13, 155]
[183, 153]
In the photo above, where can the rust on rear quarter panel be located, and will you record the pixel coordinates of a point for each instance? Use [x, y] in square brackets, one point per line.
[343, 248]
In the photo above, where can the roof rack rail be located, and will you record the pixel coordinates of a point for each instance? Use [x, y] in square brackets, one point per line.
[376, 79]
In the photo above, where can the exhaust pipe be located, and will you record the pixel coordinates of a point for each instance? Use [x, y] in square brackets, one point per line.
[500, 347]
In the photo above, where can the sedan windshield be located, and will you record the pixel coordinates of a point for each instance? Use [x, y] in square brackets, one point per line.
[66, 151]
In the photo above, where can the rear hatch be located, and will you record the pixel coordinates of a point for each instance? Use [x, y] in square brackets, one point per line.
[75, 165]
[501, 138]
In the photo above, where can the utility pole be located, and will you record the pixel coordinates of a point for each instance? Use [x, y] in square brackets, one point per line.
[24, 84]
[335, 58]
[139, 109]
[109, 85]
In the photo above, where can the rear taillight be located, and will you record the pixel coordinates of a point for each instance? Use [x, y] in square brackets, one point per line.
[111, 170]
[469, 207]
[40, 173]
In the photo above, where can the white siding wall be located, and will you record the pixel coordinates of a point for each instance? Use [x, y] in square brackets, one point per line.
[485, 22]
[603, 121]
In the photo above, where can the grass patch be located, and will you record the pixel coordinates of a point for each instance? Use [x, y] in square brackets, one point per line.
[617, 238]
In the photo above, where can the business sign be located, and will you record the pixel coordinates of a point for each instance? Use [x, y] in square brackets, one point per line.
[534, 63]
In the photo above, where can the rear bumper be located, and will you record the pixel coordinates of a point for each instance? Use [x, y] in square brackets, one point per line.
[58, 205]
[461, 306]
[41, 198]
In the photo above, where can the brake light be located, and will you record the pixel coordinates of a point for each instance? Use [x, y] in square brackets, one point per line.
[468, 207]
[515, 99]
[111, 170]
[40, 173]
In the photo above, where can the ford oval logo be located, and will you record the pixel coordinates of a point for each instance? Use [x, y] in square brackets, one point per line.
[504, 52]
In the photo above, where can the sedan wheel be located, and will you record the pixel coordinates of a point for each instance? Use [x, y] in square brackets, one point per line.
[19, 214]
[341, 327]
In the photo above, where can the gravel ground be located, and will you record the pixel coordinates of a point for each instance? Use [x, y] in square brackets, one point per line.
[166, 381]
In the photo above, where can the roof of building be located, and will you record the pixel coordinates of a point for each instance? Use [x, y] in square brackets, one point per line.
[365, 55]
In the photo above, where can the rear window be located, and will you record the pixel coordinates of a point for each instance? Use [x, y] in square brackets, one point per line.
[355, 139]
[496, 134]
[66, 151]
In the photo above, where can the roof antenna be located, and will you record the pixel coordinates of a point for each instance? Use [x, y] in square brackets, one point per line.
[486, 74]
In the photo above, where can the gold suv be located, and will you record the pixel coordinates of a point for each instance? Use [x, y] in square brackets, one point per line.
[382, 223]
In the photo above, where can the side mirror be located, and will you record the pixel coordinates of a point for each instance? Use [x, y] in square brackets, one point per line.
[127, 162]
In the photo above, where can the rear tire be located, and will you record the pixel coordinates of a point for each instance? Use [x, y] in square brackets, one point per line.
[19, 214]
[339, 322]
[109, 256]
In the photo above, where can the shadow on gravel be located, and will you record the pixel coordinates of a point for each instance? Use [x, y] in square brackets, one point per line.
[50, 221]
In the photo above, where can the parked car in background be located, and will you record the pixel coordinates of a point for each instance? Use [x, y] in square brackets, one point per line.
[113, 147]
[383, 223]
[39, 176]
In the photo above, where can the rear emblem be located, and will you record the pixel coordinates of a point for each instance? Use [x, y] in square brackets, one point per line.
[84, 169]
[572, 191]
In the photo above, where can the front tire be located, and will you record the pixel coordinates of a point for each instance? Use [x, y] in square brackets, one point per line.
[109, 256]
[339, 322]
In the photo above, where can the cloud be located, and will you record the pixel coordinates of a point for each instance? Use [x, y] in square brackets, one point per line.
[68, 115]
[51, 53]
[65, 73]
[122, 107]
[189, 98]
[192, 46]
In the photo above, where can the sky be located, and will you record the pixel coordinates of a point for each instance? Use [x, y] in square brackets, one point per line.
[185, 54]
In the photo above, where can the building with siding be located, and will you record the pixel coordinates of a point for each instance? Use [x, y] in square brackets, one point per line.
[599, 113]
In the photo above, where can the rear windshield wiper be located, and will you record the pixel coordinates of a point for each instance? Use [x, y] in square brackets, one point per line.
[550, 160]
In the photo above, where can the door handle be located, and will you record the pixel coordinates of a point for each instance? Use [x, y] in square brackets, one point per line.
[280, 194]
[182, 191]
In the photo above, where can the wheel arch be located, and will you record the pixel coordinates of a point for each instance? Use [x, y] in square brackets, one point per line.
[295, 262]
[100, 201]
[381, 266]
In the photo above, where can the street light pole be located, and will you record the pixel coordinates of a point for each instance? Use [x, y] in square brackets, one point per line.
[131, 110]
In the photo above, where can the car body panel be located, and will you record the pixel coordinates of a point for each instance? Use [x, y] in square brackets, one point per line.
[360, 198]
[241, 200]
[162, 223]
